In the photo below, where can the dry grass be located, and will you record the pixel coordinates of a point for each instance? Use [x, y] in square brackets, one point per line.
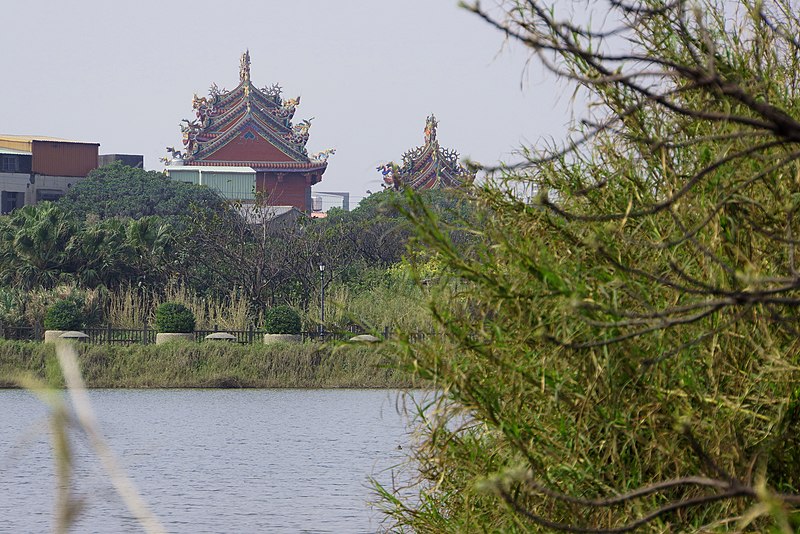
[131, 307]
[211, 365]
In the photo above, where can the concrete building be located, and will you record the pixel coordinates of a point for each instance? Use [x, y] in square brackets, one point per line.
[37, 168]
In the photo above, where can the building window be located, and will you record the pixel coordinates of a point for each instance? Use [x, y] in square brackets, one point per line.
[50, 195]
[9, 164]
[9, 201]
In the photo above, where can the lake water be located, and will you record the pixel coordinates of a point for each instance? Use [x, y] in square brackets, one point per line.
[211, 460]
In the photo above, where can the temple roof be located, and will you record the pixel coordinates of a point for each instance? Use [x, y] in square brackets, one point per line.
[247, 126]
[429, 166]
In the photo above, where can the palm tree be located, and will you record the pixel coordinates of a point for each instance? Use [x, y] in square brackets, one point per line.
[152, 243]
[37, 245]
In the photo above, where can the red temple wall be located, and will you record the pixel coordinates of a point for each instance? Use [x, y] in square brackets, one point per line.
[241, 149]
[292, 190]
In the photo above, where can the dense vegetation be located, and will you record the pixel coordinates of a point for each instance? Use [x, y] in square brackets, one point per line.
[174, 317]
[622, 352]
[42, 246]
[65, 314]
[119, 191]
[282, 320]
[124, 240]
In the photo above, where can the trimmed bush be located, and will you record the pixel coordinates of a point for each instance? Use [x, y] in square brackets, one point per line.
[282, 320]
[66, 314]
[173, 317]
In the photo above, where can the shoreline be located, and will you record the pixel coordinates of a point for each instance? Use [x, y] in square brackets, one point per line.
[209, 366]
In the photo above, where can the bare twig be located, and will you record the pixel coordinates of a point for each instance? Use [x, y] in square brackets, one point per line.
[67, 359]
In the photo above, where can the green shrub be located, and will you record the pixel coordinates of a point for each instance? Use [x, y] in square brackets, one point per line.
[174, 317]
[66, 314]
[282, 320]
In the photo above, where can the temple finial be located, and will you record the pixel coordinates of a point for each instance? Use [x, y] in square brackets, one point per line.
[244, 67]
[430, 128]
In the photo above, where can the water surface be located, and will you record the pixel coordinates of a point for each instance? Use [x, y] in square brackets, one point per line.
[212, 460]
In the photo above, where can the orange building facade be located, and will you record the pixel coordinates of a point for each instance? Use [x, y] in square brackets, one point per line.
[37, 168]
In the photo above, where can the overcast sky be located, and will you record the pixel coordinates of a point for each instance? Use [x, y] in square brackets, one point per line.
[369, 72]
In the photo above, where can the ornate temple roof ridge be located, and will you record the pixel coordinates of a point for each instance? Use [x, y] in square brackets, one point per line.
[428, 166]
[223, 115]
[244, 142]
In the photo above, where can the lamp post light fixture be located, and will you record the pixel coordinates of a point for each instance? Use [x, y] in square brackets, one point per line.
[322, 297]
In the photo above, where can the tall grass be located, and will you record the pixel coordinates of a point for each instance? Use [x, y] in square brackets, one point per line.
[131, 307]
[393, 302]
[382, 299]
[19, 307]
[210, 365]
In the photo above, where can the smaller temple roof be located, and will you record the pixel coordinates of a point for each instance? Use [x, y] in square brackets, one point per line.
[429, 166]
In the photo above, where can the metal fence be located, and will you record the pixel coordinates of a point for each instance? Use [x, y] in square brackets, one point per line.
[109, 335]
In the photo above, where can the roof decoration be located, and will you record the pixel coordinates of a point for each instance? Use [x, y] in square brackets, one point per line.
[429, 166]
[244, 67]
[246, 114]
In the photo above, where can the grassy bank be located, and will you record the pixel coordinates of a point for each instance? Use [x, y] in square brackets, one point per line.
[200, 365]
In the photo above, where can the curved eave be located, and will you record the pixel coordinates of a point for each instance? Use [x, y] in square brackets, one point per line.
[424, 168]
[230, 116]
[261, 166]
[289, 166]
[433, 175]
[216, 125]
[265, 99]
[226, 98]
[272, 123]
[238, 92]
[237, 110]
[434, 180]
[418, 161]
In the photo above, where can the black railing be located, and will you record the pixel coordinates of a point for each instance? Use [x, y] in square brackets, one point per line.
[120, 336]
[22, 333]
[108, 335]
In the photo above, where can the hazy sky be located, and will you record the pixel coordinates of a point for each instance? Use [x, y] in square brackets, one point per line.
[369, 72]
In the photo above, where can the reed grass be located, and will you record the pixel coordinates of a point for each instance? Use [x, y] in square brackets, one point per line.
[210, 365]
[396, 304]
[130, 307]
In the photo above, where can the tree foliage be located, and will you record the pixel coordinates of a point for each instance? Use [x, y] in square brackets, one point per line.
[117, 190]
[280, 264]
[42, 246]
[624, 352]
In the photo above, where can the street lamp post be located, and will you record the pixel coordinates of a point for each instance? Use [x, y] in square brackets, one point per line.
[322, 297]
